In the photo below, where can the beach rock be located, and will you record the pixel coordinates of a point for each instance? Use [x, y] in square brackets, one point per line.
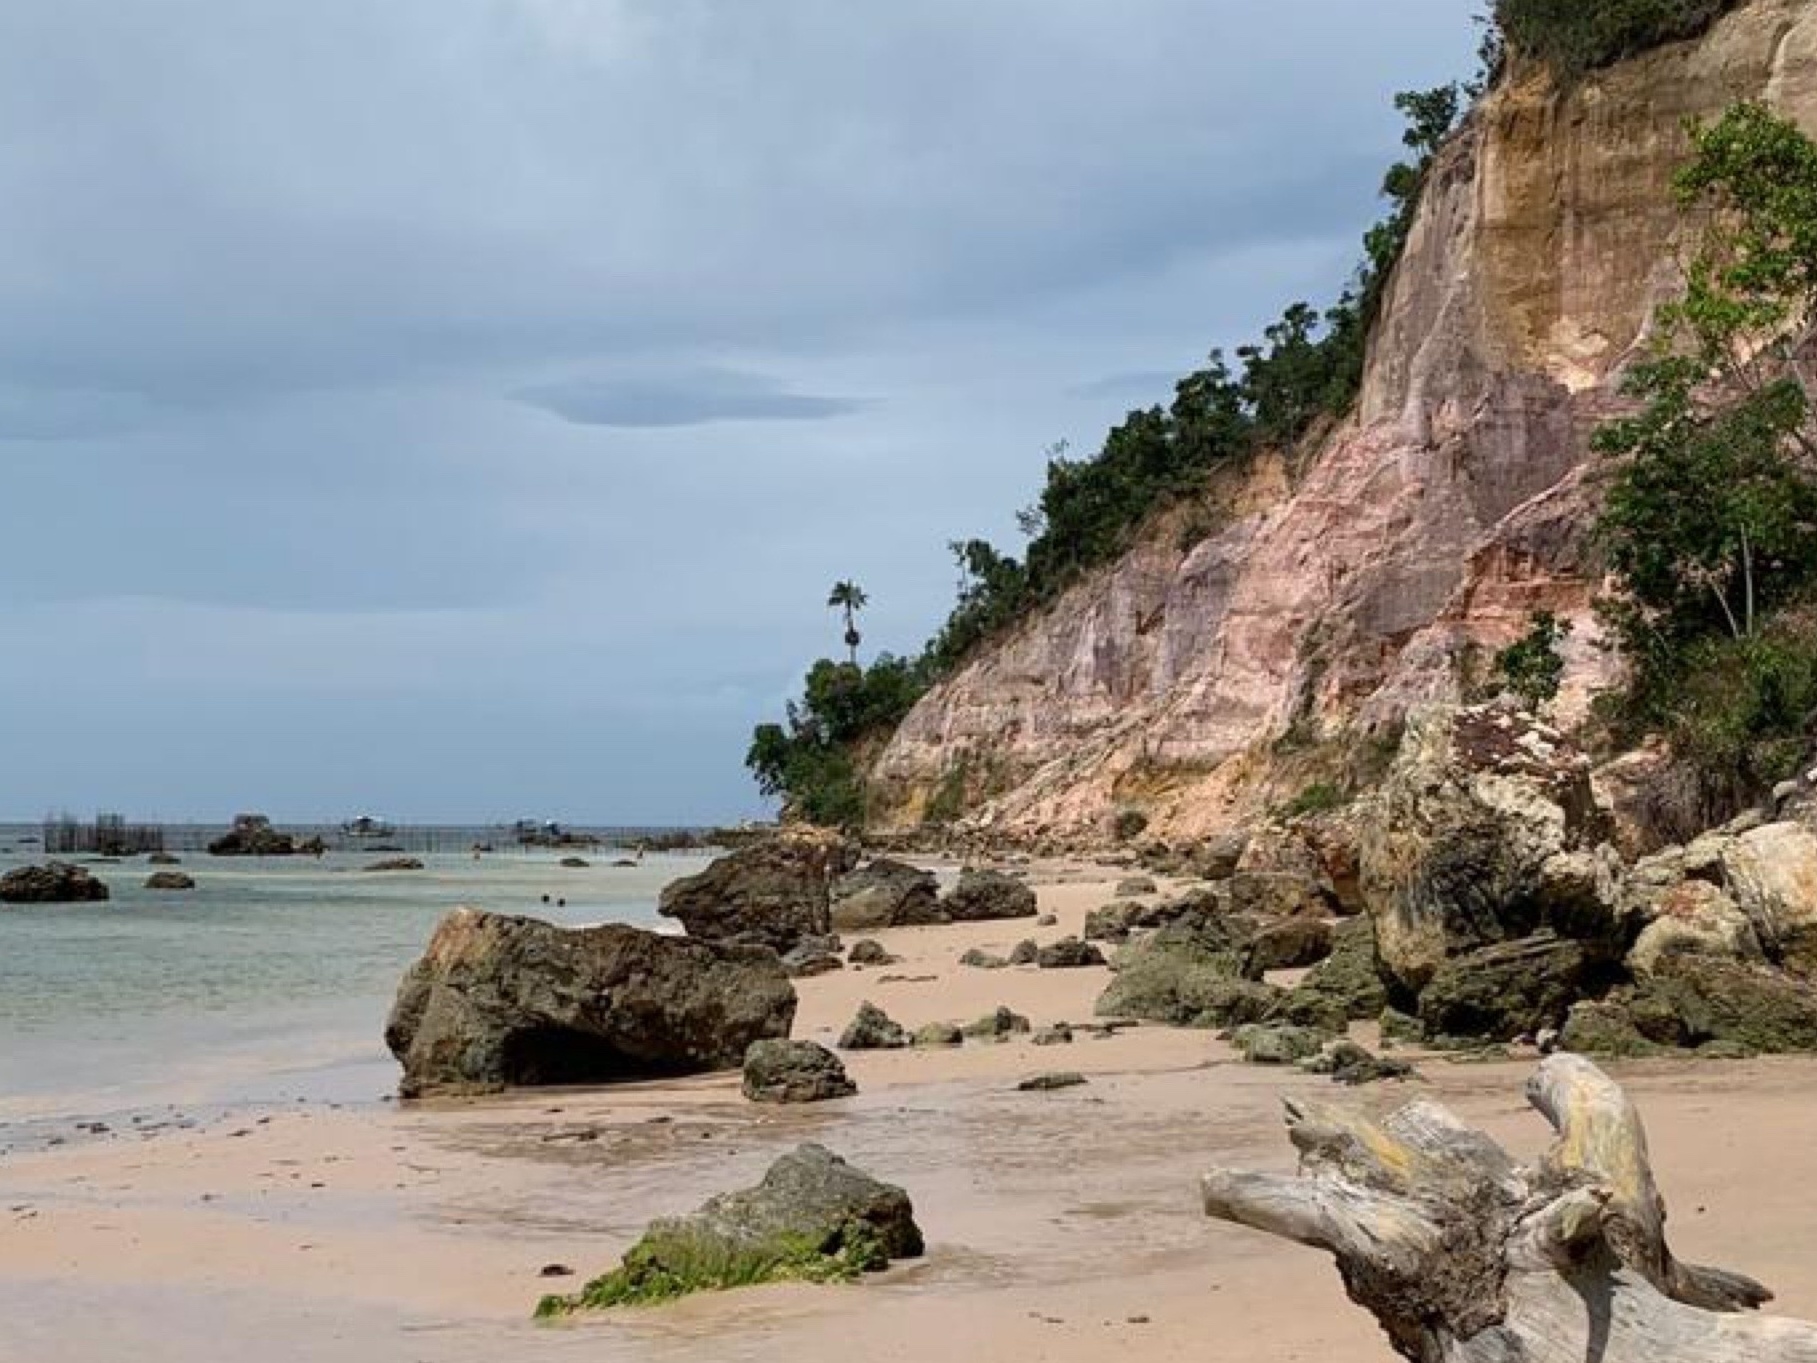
[55, 882]
[1345, 1062]
[574, 863]
[773, 893]
[937, 1034]
[253, 836]
[1133, 887]
[395, 864]
[1218, 857]
[1604, 1028]
[1057, 1035]
[812, 957]
[872, 1030]
[1348, 975]
[979, 959]
[1286, 944]
[1691, 999]
[1047, 920]
[999, 1025]
[1771, 872]
[1694, 917]
[1049, 1083]
[1505, 990]
[1278, 894]
[1277, 1043]
[1112, 922]
[870, 952]
[170, 880]
[781, 1071]
[1069, 953]
[1025, 952]
[1455, 842]
[499, 1000]
[885, 894]
[164, 859]
[988, 895]
[813, 1218]
[1398, 1027]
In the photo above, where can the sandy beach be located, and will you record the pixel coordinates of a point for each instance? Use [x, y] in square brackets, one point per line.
[1062, 1226]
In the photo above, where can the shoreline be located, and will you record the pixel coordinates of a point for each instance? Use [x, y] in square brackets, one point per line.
[1062, 1226]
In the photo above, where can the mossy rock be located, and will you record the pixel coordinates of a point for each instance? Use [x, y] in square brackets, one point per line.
[1278, 1043]
[1691, 1000]
[813, 1218]
[1348, 974]
[1510, 989]
[1605, 1029]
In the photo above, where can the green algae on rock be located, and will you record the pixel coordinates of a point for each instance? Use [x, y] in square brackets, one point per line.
[814, 1218]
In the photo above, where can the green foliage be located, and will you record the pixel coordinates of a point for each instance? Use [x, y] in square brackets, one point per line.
[1576, 36]
[810, 762]
[1532, 666]
[1710, 519]
[673, 1260]
[1128, 824]
[1320, 797]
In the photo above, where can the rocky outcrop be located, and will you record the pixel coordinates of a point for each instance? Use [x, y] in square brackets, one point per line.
[988, 895]
[773, 893]
[55, 882]
[253, 836]
[813, 1218]
[1309, 604]
[499, 1001]
[779, 1071]
[885, 894]
[1462, 842]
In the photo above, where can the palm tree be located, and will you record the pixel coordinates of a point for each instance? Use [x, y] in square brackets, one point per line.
[849, 597]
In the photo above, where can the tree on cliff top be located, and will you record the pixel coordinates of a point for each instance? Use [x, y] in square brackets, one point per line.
[849, 597]
[1576, 36]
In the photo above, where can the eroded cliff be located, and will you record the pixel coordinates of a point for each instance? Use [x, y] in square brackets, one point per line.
[1203, 677]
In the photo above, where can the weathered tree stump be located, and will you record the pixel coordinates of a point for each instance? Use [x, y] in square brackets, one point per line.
[1466, 1257]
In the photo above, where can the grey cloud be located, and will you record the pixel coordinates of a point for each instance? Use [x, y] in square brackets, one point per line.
[694, 397]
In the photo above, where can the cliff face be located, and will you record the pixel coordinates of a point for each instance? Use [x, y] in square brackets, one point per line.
[1198, 683]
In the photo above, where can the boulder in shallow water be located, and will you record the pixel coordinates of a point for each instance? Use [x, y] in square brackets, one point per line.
[253, 836]
[813, 1218]
[780, 1071]
[772, 893]
[170, 880]
[499, 1000]
[55, 882]
[982, 896]
[395, 864]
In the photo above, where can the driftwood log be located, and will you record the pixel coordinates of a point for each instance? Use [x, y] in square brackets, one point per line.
[1466, 1257]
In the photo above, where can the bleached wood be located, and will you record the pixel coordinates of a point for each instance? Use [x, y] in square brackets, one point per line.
[1465, 1257]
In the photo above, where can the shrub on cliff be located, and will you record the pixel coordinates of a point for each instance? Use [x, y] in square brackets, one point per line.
[1575, 36]
[1710, 519]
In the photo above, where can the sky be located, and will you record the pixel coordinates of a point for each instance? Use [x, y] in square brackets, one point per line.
[459, 409]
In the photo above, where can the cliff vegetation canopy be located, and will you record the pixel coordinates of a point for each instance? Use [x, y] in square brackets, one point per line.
[1575, 36]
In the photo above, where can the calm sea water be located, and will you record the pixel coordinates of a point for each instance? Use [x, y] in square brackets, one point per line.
[269, 981]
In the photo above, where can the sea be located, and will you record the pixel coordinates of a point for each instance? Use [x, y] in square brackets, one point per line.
[271, 980]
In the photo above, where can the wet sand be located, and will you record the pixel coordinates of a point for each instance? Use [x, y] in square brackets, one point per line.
[1062, 1226]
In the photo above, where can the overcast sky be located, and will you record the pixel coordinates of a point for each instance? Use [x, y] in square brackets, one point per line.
[459, 408]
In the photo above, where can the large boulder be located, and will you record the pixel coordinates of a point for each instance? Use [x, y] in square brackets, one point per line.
[986, 895]
[55, 882]
[170, 880]
[780, 1071]
[1698, 918]
[1456, 843]
[885, 894]
[1348, 976]
[1506, 990]
[872, 1029]
[1069, 953]
[1772, 874]
[499, 1000]
[1286, 944]
[813, 1218]
[1692, 999]
[772, 893]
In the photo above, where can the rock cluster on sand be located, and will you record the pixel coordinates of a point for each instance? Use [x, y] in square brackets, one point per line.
[813, 1218]
[170, 880]
[983, 895]
[885, 894]
[499, 1000]
[775, 892]
[869, 952]
[779, 1071]
[55, 882]
[253, 836]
